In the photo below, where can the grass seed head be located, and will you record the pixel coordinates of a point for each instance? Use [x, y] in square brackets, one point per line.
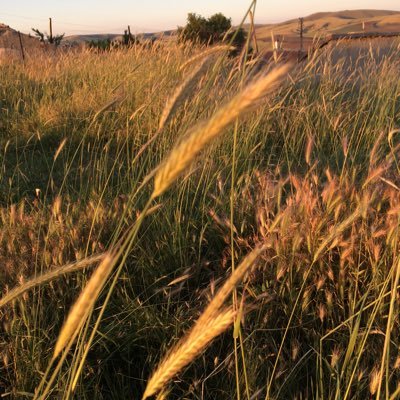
[84, 304]
[188, 349]
[374, 381]
[204, 133]
[182, 93]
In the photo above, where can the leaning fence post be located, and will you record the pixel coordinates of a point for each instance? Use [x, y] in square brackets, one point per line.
[22, 47]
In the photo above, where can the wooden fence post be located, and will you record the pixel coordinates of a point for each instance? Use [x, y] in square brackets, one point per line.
[301, 31]
[22, 47]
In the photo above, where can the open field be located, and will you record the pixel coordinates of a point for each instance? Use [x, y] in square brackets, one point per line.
[298, 172]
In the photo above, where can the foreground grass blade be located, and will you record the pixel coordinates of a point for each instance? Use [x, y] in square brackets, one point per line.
[49, 276]
[82, 307]
[210, 324]
[203, 134]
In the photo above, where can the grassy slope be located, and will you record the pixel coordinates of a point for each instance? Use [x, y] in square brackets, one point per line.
[303, 158]
[322, 24]
[343, 21]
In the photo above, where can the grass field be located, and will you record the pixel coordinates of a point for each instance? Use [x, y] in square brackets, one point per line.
[286, 195]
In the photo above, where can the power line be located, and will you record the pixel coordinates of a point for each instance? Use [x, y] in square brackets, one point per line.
[23, 17]
[94, 29]
[46, 19]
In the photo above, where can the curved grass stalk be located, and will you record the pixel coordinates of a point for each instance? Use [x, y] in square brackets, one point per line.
[49, 276]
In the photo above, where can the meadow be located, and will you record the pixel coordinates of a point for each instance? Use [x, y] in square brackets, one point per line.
[241, 226]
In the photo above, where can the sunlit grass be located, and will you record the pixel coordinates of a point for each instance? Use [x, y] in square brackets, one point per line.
[316, 182]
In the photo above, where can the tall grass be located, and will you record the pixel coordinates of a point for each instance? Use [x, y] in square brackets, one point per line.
[316, 182]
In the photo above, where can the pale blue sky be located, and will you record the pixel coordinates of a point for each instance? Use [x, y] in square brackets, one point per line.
[101, 16]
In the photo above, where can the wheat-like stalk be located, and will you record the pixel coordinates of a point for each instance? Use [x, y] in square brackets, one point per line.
[210, 324]
[85, 302]
[174, 102]
[236, 276]
[47, 277]
[374, 380]
[185, 152]
[181, 93]
[188, 349]
[59, 149]
[163, 394]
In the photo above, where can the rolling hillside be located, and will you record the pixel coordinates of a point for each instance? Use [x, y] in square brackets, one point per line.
[337, 22]
[10, 44]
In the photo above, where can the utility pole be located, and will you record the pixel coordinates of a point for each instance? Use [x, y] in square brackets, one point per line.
[51, 30]
[301, 31]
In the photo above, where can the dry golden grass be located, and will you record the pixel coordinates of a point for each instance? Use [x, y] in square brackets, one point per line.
[49, 276]
[182, 92]
[85, 303]
[206, 53]
[316, 182]
[204, 133]
[211, 323]
[187, 350]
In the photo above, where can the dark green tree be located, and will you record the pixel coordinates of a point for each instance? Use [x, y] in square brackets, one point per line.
[100, 45]
[238, 39]
[217, 26]
[211, 30]
[195, 30]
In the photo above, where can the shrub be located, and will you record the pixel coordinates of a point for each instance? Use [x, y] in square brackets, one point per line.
[102, 45]
[57, 39]
[214, 29]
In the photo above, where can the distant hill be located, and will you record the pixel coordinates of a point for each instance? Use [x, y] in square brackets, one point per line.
[9, 39]
[352, 14]
[87, 38]
[336, 22]
[10, 46]
[325, 23]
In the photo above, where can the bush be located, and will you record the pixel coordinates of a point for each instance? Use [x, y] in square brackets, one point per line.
[43, 37]
[210, 31]
[239, 39]
[102, 45]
